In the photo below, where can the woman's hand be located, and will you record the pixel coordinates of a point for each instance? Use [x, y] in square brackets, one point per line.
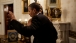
[29, 22]
[11, 16]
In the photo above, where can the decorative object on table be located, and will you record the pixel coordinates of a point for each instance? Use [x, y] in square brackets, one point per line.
[3, 40]
[12, 36]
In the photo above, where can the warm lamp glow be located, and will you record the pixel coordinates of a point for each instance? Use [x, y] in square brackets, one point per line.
[25, 20]
[6, 9]
[19, 19]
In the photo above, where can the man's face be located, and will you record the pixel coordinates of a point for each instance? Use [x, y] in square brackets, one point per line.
[32, 12]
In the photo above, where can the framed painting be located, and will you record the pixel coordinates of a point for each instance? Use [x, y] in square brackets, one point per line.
[52, 1]
[54, 13]
[25, 6]
[54, 9]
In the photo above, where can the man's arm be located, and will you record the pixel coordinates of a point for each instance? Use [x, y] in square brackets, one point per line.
[26, 30]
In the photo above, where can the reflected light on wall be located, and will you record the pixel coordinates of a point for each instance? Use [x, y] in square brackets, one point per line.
[38, 1]
[42, 3]
[6, 8]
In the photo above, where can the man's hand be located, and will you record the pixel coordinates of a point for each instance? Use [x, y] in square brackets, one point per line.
[11, 16]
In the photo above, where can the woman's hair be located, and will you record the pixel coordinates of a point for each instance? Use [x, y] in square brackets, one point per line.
[41, 9]
[35, 6]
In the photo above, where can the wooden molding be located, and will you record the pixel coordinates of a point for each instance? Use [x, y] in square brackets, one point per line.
[0, 22]
[72, 34]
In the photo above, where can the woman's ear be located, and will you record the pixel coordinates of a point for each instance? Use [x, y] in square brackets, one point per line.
[34, 10]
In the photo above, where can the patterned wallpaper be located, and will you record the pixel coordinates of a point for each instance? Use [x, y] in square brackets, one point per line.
[68, 8]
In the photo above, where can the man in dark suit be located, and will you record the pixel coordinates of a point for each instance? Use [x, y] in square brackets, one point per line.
[40, 27]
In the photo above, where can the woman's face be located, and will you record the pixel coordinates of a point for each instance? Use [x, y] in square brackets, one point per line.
[32, 12]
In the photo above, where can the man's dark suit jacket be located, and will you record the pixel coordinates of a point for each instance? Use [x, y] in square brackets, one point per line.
[41, 28]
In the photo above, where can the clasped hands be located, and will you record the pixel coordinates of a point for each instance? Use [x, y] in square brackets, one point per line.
[12, 17]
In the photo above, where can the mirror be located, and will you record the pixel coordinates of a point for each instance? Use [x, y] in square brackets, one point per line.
[53, 9]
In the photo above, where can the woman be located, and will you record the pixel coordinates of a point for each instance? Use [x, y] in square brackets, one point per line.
[41, 27]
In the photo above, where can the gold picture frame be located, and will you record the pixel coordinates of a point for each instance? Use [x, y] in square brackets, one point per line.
[53, 1]
[49, 9]
[25, 4]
